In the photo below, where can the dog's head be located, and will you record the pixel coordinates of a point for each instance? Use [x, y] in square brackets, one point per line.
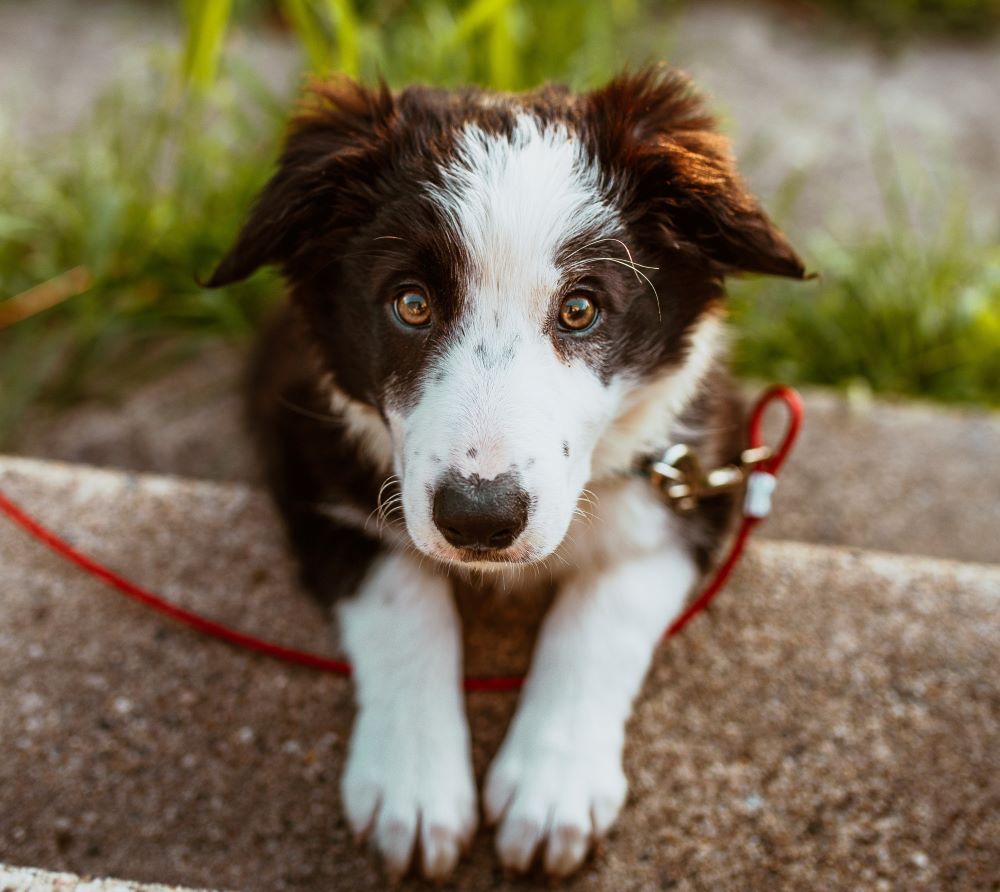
[512, 294]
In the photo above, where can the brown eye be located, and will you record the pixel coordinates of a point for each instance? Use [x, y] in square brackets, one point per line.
[413, 308]
[577, 313]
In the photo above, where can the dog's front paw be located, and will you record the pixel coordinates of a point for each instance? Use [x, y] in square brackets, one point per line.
[408, 778]
[548, 790]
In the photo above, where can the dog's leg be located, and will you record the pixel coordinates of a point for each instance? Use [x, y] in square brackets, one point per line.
[558, 781]
[409, 769]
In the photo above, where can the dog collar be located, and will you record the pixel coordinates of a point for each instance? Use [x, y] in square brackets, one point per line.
[682, 482]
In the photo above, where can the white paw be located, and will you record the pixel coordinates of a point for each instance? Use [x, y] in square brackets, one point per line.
[554, 794]
[405, 779]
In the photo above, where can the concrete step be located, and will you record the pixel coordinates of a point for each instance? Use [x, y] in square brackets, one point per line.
[833, 724]
[907, 477]
[27, 879]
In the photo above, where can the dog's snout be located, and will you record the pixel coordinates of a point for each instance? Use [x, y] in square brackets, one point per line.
[481, 515]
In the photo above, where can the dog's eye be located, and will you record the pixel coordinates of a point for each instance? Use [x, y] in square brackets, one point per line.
[578, 312]
[413, 308]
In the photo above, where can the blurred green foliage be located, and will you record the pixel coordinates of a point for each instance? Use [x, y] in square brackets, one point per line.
[506, 44]
[145, 193]
[897, 19]
[893, 312]
[908, 306]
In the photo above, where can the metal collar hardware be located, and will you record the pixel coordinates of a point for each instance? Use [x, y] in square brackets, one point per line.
[683, 483]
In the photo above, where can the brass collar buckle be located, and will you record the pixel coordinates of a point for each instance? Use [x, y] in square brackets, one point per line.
[683, 483]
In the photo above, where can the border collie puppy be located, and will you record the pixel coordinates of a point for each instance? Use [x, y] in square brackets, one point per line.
[501, 305]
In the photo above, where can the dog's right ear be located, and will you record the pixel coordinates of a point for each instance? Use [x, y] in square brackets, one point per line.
[322, 182]
[655, 132]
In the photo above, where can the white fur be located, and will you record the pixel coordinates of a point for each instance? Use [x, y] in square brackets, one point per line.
[500, 398]
[409, 768]
[513, 424]
[364, 425]
[516, 201]
[557, 782]
[506, 400]
[648, 416]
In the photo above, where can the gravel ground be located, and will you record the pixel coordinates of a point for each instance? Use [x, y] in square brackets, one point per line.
[58, 56]
[832, 725]
[801, 103]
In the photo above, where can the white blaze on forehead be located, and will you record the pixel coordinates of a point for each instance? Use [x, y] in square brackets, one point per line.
[500, 397]
[514, 201]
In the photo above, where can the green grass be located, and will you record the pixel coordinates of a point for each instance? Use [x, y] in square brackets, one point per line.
[508, 44]
[145, 194]
[895, 311]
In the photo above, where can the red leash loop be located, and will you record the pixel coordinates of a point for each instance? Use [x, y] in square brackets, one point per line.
[793, 403]
[791, 399]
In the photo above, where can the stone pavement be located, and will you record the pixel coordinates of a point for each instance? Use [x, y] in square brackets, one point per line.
[833, 724]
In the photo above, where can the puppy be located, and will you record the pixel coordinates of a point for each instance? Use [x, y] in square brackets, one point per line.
[501, 305]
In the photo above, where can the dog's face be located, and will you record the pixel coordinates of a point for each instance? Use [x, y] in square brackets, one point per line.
[505, 288]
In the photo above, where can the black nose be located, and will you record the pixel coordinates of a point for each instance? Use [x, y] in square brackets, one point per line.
[478, 514]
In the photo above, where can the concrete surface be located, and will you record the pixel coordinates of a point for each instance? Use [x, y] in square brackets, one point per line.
[906, 477]
[913, 478]
[833, 724]
[26, 879]
[187, 422]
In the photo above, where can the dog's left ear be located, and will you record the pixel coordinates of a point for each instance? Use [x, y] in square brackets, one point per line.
[654, 132]
[323, 181]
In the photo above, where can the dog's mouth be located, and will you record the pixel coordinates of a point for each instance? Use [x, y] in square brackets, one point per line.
[485, 558]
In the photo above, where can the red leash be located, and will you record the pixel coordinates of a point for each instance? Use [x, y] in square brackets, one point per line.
[756, 506]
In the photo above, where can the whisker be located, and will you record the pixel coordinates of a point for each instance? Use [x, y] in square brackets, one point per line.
[562, 558]
[392, 478]
[380, 506]
[635, 268]
[308, 413]
[385, 515]
[596, 241]
[630, 263]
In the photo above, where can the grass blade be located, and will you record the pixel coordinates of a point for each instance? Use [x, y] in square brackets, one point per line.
[205, 30]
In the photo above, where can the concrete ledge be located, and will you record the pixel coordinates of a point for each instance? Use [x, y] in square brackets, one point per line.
[26, 879]
[909, 477]
[834, 724]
